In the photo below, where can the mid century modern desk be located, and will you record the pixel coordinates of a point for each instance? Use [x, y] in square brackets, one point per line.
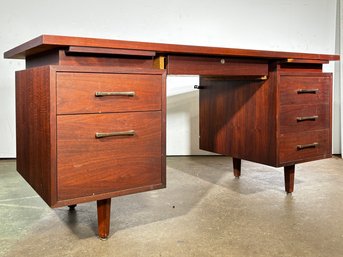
[91, 113]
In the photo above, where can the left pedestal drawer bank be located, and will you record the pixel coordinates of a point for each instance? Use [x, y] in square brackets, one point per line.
[90, 134]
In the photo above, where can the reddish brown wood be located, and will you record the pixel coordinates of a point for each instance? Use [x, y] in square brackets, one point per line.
[289, 178]
[59, 57]
[89, 166]
[35, 132]
[291, 83]
[163, 131]
[46, 42]
[104, 217]
[240, 115]
[87, 59]
[301, 67]
[289, 122]
[212, 66]
[289, 153]
[76, 92]
[292, 104]
[109, 51]
[237, 118]
[236, 167]
[46, 58]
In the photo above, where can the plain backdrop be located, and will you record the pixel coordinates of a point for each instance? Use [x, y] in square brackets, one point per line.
[283, 25]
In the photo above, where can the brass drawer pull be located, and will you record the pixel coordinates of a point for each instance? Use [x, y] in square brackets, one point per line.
[300, 147]
[99, 94]
[308, 91]
[112, 134]
[307, 118]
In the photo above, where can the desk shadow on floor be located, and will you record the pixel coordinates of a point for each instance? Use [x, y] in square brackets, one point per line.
[218, 170]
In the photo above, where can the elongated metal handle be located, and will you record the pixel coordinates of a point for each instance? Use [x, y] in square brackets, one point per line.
[99, 94]
[314, 117]
[308, 91]
[113, 134]
[300, 147]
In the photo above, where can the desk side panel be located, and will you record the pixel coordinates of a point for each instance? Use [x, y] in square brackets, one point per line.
[33, 129]
[238, 118]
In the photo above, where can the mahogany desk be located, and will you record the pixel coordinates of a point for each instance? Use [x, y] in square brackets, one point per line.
[91, 113]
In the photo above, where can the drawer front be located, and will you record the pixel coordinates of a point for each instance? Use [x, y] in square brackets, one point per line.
[305, 89]
[213, 66]
[88, 166]
[296, 147]
[299, 118]
[76, 92]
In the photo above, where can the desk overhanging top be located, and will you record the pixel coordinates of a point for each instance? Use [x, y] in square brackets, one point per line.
[47, 42]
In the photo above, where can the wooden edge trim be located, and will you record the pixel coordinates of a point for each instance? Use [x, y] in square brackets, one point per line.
[111, 51]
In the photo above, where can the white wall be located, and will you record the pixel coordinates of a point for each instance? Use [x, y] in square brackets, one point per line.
[286, 25]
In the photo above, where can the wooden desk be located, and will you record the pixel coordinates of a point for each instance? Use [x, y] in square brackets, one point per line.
[91, 113]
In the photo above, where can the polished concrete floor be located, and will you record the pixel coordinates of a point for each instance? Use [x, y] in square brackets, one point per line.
[204, 211]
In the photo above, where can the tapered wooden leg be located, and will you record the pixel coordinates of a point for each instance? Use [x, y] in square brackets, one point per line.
[289, 178]
[236, 167]
[104, 215]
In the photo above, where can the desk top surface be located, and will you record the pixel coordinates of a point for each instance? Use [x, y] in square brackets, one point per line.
[47, 42]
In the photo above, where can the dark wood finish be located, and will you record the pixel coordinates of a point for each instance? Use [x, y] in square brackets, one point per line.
[236, 167]
[36, 147]
[292, 104]
[300, 67]
[289, 172]
[42, 59]
[236, 118]
[46, 42]
[216, 66]
[88, 59]
[111, 51]
[76, 92]
[249, 106]
[289, 153]
[104, 217]
[289, 114]
[89, 166]
[36, 130]
[62, 57]
[290, 84]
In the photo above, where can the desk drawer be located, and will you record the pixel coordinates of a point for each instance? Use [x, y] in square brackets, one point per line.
[216, 66]
[304, 89]
[88, 166]
[76, 92]
[295, 147]
[299, 118]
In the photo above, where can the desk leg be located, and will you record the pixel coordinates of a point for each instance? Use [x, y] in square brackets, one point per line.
[289, 178]
[104, 215]
[236, 167]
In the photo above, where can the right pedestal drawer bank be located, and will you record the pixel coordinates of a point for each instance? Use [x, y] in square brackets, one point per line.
[279, 121]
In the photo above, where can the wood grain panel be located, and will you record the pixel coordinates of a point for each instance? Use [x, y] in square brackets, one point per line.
[84, 59]
[88, 166]
[290, 113]
[290, 154]
[35, 130]
[188, 65]
[237, 118]
[76, 92]
[45, 42]
[289, 85]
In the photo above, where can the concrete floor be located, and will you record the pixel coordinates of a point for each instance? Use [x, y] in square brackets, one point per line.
[203, 212]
